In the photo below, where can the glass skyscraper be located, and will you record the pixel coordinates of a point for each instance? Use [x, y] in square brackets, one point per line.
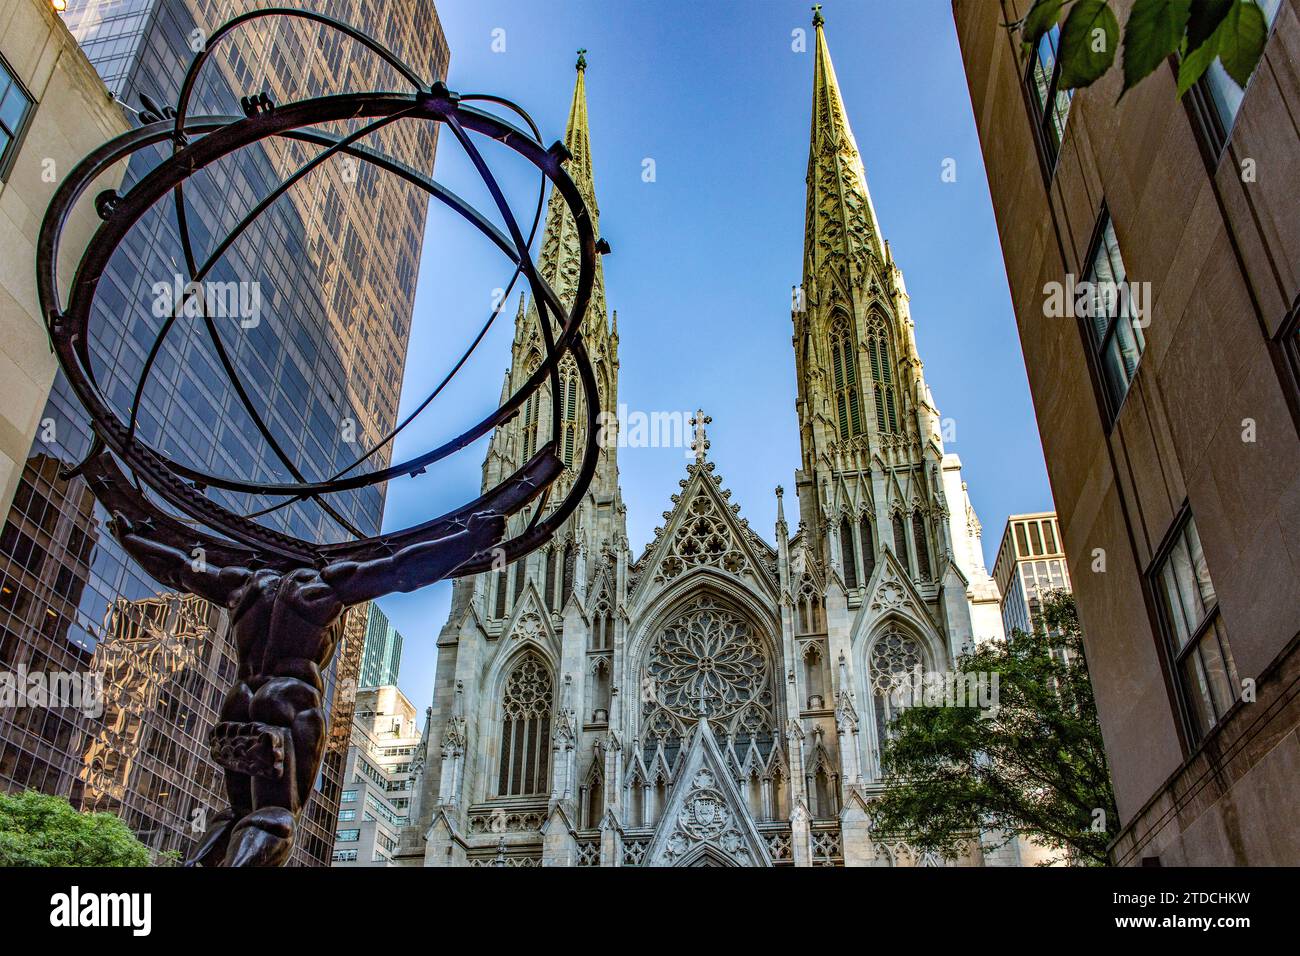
[382, 658]
[329, 275]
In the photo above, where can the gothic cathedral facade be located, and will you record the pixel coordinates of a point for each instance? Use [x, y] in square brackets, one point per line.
[716, 700]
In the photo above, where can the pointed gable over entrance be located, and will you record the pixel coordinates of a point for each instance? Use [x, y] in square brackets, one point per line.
[705, 529]
[706, 822]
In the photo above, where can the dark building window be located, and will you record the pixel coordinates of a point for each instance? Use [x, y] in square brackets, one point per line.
[15, 110]
[1198, 641]
[550, 579]
[868, 542]
[900, 543]
[570, 567]
[1289, 340]
[921, 540]
[521, 577]
[1109, 310]
[846, 554]
[502, 578]
[1050, 105]
[1217, 98]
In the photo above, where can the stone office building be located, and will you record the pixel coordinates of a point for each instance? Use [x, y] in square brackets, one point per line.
[1170, 430]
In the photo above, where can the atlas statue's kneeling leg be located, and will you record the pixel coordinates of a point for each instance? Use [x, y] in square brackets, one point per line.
[212, 846]
[281, 748]
[263, 838]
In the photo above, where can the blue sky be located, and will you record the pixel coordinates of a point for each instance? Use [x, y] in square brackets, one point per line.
[704, 256]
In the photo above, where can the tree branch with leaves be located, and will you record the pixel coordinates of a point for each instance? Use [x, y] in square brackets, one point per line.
[1197, 31]
[1032, 765]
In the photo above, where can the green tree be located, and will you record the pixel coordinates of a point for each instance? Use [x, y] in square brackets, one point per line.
[1198, 31]
[1033, 764]
[40, 830]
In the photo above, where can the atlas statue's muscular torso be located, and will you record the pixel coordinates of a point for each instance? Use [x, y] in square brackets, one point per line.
[272, 728]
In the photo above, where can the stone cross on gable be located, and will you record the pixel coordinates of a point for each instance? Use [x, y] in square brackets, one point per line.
[700, 443]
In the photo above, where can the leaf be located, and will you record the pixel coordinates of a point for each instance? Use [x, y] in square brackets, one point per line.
[1205, 17]
[1040, 18]
[1242, 36]
[1192, 66]
[1153, 32]
[1088, 41]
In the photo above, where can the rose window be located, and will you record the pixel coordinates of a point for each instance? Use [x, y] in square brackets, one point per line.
[707, 660]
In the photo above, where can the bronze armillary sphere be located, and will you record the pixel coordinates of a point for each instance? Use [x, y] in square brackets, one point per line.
[285, 594]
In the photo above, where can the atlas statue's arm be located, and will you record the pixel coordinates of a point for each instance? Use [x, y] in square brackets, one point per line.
[176, 569]
[416, 565]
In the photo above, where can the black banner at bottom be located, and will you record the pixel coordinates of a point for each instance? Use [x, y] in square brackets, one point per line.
[335, 906]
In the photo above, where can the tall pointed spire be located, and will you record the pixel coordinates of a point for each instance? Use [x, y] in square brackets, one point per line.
[559, 261]
[559, 254]
[841, 229]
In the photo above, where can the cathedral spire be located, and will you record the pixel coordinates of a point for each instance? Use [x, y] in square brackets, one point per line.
[840, 229]
[559, 257]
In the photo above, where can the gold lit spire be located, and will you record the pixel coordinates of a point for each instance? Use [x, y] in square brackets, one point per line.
[841, 229]
[559, 254]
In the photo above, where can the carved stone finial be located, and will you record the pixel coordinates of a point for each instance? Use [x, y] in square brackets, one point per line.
[700, 443]
[818, 19]
[582, 61]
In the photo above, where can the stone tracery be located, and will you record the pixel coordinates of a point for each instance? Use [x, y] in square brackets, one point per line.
[709, 660]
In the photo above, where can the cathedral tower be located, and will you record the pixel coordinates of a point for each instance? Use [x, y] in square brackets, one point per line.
[524, 669]
[875, 485]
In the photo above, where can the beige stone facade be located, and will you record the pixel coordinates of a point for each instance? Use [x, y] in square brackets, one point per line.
[1173, 457]
[70, 113]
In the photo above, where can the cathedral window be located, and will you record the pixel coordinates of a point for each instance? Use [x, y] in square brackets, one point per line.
[602, 626]
[532, 406]
[706, 659]
[502, 592]
[593, 794]
[525, 729]
[848, 554]
[848, 401]
[867, 539]
[823, 787]
[777, 792]
[637, 801]
[521, 577]
[754, 794]
[550, 578]
[896, 660]
[882, 374]
[570, 563]
[922, 542]
[809, 615]
[900, 543]
[569, 385]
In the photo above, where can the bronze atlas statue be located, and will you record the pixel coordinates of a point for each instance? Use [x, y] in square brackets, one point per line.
[285, 595]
